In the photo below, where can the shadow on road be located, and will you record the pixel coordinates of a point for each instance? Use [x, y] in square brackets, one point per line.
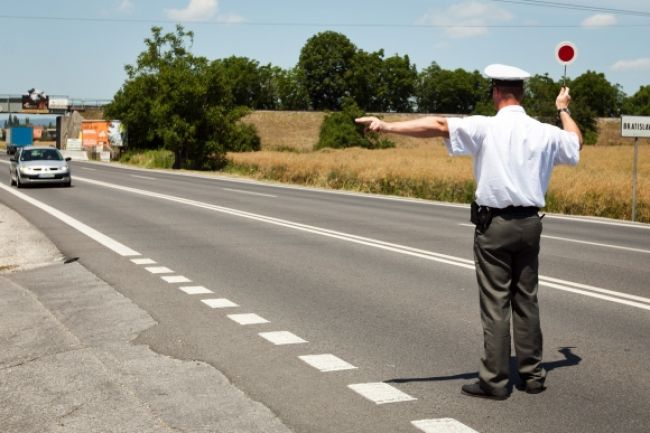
[570, 360]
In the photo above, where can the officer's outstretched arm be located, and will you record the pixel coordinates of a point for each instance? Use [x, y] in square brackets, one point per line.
[431, 126]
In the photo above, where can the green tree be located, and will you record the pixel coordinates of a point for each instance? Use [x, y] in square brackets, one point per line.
[364, 80]
[539, 98]
[324, 65]
[250, 84]
[639, 103]
[593, 96]
[399, 78]
[291, 94]
[175, 100]
[592, 90]
[454, 92]
[382, 85]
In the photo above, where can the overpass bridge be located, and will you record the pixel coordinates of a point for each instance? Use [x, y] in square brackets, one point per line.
[16, 104]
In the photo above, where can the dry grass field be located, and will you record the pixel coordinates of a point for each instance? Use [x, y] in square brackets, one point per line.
[599, 186]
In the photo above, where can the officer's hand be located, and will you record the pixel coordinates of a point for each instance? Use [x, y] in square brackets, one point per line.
[372, 123]
[563, 99]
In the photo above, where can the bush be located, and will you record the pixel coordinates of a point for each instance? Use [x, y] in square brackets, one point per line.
[244, 138]
[339, 130]
[149, 158]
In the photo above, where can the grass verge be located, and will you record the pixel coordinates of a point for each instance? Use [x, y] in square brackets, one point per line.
[599, 186]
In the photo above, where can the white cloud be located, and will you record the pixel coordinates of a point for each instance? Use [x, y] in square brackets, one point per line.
[230, 18]
[467, 19]
[641, 64]
[600, 20]
[125, 6]
[194, 11]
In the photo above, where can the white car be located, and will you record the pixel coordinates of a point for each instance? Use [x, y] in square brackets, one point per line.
[39, 165]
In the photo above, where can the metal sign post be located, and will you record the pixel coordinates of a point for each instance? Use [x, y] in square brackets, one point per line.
[635, 126]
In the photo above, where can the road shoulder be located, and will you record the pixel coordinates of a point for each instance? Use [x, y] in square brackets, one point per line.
[69, 363]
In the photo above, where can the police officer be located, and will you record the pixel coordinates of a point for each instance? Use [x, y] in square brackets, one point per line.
[514, 156]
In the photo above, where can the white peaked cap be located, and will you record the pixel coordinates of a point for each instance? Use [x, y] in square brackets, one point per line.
[506, 73]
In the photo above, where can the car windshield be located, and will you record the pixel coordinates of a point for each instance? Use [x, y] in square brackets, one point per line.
[40, 155]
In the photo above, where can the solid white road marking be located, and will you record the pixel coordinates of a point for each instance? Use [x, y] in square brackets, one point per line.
[176, 279]
[380, 393]
[93, 234]
[327, 362]
[195, 290]
[143, 261]
[387, 246]
[159, 270]
[597, 244]
[281, 338]
[247, 319]
[597, 295]
[219, 303]
[442, 425]
[241, 191]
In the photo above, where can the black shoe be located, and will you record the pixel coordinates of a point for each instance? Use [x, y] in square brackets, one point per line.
[475, 390]
[535, 388]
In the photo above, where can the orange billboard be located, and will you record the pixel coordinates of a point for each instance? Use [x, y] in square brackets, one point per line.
[94, 133]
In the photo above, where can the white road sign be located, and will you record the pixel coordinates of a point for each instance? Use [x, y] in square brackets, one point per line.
[635, 126]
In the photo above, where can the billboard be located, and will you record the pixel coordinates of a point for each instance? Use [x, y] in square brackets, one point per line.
[94, 133]
[35, 101]
[116, 133]
[102, 133]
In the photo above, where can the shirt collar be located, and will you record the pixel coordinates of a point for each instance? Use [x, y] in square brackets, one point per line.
[512, 109]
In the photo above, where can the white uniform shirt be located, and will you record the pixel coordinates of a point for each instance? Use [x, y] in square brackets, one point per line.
[514, 155]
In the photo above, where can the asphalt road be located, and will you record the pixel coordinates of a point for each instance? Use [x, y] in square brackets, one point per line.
[384, 287]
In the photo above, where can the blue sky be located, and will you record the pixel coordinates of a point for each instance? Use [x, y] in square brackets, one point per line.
[78, 48]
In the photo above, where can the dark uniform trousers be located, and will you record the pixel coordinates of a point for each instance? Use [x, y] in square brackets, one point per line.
[506, 257]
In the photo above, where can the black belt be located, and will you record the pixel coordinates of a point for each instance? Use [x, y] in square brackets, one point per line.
[515, 210]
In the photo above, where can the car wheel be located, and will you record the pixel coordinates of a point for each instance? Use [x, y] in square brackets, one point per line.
[19, 184]
[68, 184]
[11, 181]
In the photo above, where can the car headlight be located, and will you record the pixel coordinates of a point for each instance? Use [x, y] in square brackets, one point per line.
[65, 169]
[25, 170]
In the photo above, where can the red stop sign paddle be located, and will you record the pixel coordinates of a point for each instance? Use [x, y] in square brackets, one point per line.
[565, 53]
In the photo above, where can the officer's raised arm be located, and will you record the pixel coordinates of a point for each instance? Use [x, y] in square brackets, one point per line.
[562, 105]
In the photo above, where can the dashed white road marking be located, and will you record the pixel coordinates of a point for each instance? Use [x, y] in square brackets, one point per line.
[143, 177]
[327, 362]
[143, 261]
[88, 169]
[442, 425]
[195, 290]
[247, 319]
[219, 303]
[280, 338]
[176, 279]
[380, 393]
[159, 270]
[241, 191]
